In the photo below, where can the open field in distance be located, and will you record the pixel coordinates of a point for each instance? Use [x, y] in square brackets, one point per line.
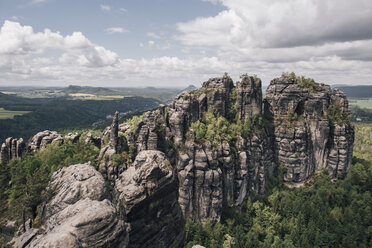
[361, 102]
[86, 96]
[9, 114]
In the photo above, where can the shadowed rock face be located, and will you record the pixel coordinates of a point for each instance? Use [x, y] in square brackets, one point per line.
[41, 139]
[148, 191]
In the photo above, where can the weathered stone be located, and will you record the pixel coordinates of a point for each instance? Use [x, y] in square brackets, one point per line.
[86, 223]
[77, 215]
[306, 140]
[73, 183]
[72, 137]
[95, 140]
[11, 149]
[148, 192]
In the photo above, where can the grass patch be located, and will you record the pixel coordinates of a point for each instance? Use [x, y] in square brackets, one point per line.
[9, 114]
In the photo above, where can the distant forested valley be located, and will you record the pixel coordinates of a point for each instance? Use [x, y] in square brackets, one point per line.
[62, 113]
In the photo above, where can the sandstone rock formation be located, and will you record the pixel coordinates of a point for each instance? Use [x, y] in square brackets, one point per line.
[293, 125]
[41, 139]
[17, 148]
[96, 141]
[142, 211]
[79, 214]
[115, 145]
[148, 192]
[12, 148]
[312, 130]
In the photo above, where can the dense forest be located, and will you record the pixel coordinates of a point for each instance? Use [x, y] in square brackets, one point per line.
[62, 113]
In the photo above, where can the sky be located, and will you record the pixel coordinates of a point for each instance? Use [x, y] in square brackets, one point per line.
[175, 43]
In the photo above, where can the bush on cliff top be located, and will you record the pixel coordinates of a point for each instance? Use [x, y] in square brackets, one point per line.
[307, 83]
[213, 128]
[336, 115]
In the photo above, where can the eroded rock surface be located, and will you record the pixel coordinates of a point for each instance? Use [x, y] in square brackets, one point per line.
[148, 192]
[290, 126]
[17, 148]
[41, 139]
[312, 130]
[78, 213]
[71, 184]
[11, 149]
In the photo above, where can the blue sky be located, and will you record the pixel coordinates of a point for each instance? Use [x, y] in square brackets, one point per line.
[181, 42]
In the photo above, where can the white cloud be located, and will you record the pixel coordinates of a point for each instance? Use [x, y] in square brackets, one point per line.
[282, 23]
[113, 30]
[151, 44]
[313, 37]
[38, 1]
[24, 57]
[123, 10]
[21, 42]
[153, 35]
[105, 8]
[24, 60]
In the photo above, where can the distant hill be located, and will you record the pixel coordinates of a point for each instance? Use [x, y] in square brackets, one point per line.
[356, 91]
[190, 87]
[73, 89]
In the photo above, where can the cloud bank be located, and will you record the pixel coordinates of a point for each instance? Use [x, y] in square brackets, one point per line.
[24, 59]
[328, 40]
[311, 36]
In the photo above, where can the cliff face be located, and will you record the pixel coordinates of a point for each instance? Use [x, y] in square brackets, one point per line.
[205, 151]
[311, 128]
[304, 128]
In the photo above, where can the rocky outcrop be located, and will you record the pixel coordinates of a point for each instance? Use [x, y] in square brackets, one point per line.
[78, 214]
[312, 130]
[96, 141]
[71, 184]
[293, 125]
[147, 191]
[72, 137]
[115, 145]
[210, 174]
[87, 223]
[11, 149]
[142, 211]
[17, 148]
[41, 139]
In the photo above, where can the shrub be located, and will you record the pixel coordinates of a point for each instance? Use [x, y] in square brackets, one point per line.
[307, 83]
[336, 115]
